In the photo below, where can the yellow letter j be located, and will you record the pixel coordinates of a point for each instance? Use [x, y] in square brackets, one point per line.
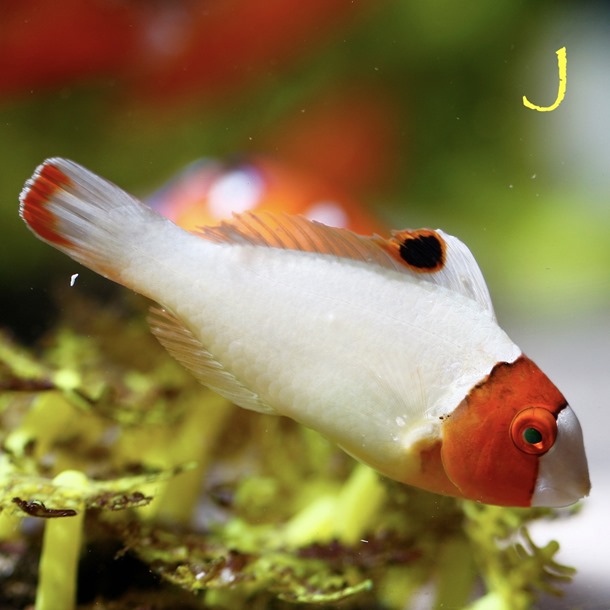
[562, 62]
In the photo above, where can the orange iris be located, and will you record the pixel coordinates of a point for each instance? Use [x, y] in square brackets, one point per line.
[534, 430]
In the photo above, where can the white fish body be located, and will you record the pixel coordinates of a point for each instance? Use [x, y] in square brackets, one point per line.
[372, 355]
[339, 339]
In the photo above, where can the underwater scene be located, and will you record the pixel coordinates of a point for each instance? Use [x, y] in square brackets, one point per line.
[304, 305]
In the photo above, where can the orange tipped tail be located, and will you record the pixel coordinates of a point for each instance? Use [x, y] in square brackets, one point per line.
[35, 197]
[90, 219]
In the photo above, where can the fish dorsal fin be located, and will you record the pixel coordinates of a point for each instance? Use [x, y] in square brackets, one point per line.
[424, 254]
[279, 230]
[441, 259]
[180, 342]
[463, 274]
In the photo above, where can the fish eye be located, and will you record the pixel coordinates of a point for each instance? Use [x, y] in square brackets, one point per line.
[534, 430]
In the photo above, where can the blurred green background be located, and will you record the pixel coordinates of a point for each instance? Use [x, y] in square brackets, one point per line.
[411, 108]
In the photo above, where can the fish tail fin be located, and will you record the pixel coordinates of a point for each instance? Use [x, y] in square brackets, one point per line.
[90, 219]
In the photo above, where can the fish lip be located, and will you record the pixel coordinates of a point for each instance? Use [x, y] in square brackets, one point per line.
[555, 497]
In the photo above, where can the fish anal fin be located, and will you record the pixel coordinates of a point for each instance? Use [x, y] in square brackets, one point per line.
[182, 345]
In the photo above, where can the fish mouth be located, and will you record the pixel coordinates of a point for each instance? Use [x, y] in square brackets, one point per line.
[563, 474]
[557, 497]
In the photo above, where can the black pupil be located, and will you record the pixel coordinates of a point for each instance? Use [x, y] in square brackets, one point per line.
[532, 436]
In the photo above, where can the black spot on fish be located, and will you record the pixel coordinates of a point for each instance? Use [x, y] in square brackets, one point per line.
[422, 250]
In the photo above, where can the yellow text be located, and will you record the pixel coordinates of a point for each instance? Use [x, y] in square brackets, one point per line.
[562, 63]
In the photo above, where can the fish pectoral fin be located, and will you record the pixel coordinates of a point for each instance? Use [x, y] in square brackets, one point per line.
[180, 342]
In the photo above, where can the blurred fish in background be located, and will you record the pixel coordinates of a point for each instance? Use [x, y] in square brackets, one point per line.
[209, 191]
[161, 51]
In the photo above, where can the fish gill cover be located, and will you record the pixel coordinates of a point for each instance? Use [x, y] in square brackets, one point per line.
[130, 485]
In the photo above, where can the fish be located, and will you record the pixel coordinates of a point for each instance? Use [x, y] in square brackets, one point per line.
[209, 190]
[389, 347]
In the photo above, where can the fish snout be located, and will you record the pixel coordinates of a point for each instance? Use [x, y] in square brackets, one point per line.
[563, 473]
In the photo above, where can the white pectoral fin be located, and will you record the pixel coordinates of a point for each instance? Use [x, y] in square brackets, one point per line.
[180, 342]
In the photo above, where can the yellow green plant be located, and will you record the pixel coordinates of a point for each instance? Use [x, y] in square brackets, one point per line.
[104, 438]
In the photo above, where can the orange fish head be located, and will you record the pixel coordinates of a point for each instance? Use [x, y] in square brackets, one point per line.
[514, 441]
